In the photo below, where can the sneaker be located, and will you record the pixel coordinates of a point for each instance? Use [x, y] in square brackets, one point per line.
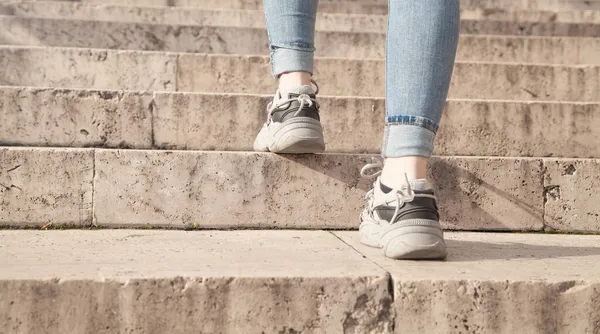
[293, 124]
[403, 222]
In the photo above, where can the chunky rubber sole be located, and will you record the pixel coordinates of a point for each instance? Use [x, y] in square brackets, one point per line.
[410, 240]
[297, 136]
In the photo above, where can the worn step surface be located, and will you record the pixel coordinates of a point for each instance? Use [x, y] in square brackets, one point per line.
[195, 121]
[178, 282]
[362, 6]
[495, 283]
[248, 17]
[134, 16]
[254, 41]
[187, 189]
[293, 281]
[128, 70]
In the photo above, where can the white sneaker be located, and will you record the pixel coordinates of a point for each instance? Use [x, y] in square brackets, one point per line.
[293, 124]
[403, 222]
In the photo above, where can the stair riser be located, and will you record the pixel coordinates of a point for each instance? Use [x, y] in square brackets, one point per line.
[74, 301]
[363, 7]
[197, 122]
[103, 69]
[181, 305]
[130, 18]
[562, 300]
[194, 16]
[230, 40]
[202, 189]
[460, 297]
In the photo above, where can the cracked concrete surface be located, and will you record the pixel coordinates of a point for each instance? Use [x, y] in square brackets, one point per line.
[38, 186]
[190, 189]
[82, 68]
[190, 121]
[497, 283]
[176, 282]
[293, 282]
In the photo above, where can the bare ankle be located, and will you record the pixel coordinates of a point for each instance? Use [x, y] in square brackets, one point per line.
[394, 169]
[291, 80]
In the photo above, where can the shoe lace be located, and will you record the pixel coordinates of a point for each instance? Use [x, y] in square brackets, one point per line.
[304, 99]
[403, 195]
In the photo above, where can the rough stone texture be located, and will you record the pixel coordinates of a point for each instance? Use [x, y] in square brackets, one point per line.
[370, 7]
[494, 27]
[129, 36]
[548, 5]
[364, 7]
[38, 186]
[196, 121]
[95, 69]
[178, 16]
[75, 118]
[225, 190]
[85, 68]
[525, 82]
[132, 16]
[498, 283]
[485, 128]
[210, 121]
[81, 118]
[571, 195]
[542, 15]
[248, 17]
[178, 282]
[293, 281]
[206, 189]
[348, 77]
[540, 50]
[244, 40]
[489, 193]
[507, 128]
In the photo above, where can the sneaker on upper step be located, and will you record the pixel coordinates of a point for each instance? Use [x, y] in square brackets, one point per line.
[293, 124]
[403, 222]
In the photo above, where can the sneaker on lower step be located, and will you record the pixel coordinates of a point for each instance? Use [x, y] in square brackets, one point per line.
[293, 123]
[403, 222]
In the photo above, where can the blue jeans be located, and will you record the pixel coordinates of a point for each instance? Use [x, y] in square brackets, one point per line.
[421, 46]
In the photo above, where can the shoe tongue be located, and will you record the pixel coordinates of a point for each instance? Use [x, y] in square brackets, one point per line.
[420, 185]
[298, 91]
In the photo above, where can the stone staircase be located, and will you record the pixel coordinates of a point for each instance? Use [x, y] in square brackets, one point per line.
[121, 116]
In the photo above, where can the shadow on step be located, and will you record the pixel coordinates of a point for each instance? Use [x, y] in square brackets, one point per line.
[473, 192]
[469, 251]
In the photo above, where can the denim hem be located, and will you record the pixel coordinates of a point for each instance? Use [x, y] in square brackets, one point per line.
[421, 121]
[402, 140]
[291, 60]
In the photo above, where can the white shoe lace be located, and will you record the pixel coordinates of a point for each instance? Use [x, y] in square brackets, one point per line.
[403, 195]
[304, 100]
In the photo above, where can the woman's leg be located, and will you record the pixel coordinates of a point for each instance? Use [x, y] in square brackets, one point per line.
[402, 215]
[291, 29]
[293, 124]
[421, 46]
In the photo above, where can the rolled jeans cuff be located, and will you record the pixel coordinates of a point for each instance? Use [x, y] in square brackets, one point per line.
[291, 60]
[402, 140]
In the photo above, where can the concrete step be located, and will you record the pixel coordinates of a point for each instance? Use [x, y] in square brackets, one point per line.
[235, 40]
[188, 189]
[192, 121]
[107, 69]
[480, 24]
[200, 16]
[488, 280]
[360, 6]
[293, 282]
[547, 5]
[363, 7]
